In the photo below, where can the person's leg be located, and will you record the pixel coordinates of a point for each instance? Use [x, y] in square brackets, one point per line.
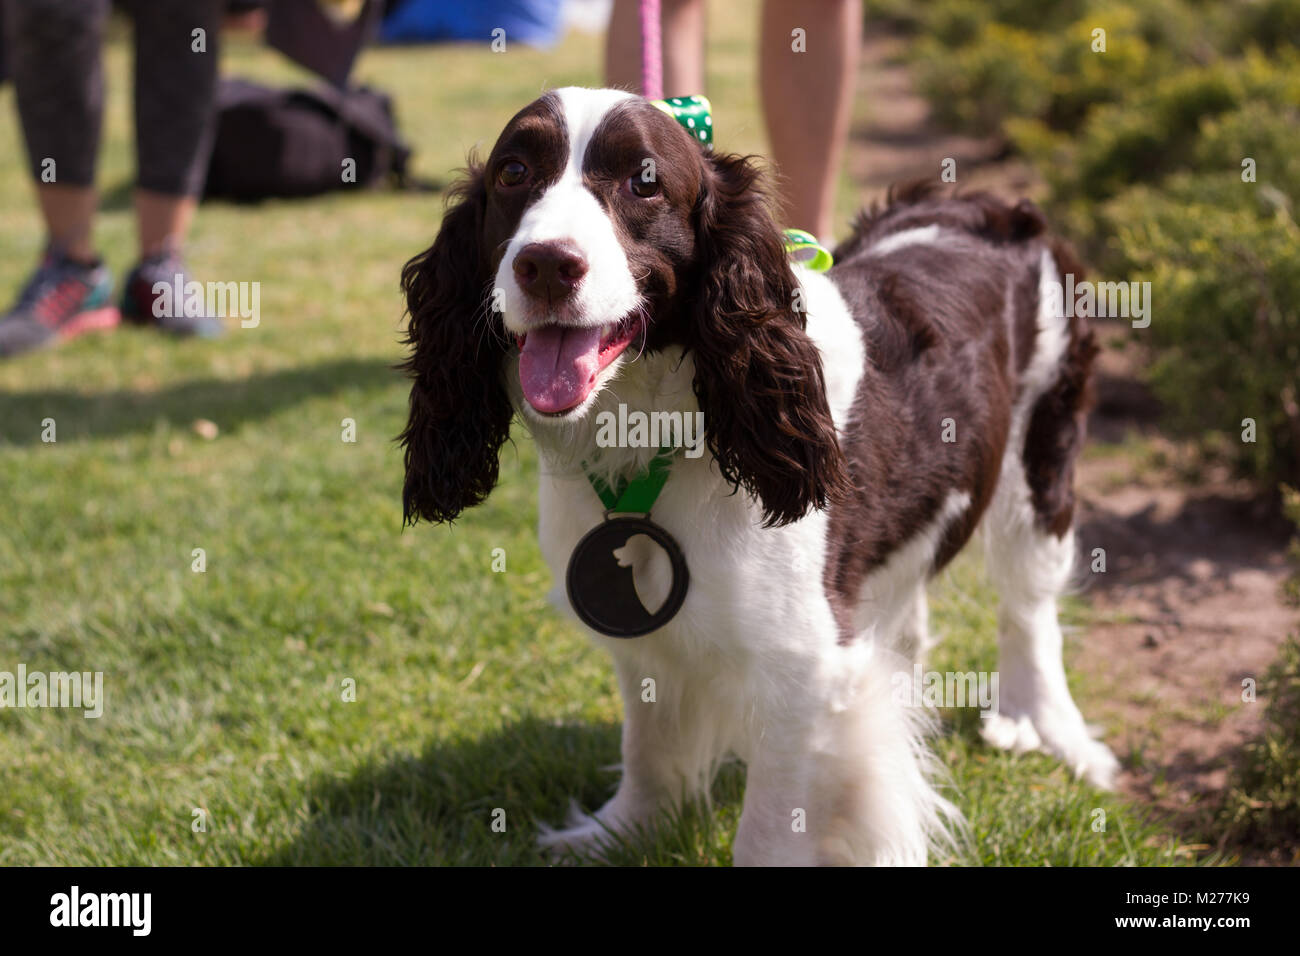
[54, 49]
[69, 214]
[175, 84]
[683, 39]
[163, 221]
[175, 122]
[807, 100]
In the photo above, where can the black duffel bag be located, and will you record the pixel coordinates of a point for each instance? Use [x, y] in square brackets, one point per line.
[283, 143]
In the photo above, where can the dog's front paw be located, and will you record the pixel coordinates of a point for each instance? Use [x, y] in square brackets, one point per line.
[583, 834]
[1065, 737]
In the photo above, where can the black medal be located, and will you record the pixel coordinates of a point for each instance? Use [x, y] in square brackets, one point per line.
[614, 557]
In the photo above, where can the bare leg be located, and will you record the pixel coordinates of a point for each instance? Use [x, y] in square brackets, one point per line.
[164, 221]
[683, 38]
[623, 47]
[807, 99]
[69, 214]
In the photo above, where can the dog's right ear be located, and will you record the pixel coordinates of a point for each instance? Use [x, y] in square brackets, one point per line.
[460, 412]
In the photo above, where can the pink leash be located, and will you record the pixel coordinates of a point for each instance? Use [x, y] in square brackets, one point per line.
[652, 64]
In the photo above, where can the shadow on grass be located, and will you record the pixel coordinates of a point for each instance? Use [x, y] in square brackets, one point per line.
[229, 403]
[120, 197]
[438, 808]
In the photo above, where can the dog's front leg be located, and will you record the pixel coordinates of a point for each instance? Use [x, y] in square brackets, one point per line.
[777, 824]
[671, 745]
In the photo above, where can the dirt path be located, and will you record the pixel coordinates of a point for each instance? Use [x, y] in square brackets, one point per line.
[1189, 605]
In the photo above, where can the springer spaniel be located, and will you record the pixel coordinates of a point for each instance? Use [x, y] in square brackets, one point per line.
[859, 425]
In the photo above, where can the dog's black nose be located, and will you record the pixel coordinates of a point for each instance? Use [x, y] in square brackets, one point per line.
[549, 270]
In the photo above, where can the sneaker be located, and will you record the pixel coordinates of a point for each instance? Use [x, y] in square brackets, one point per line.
[139, 299]
[62, 299]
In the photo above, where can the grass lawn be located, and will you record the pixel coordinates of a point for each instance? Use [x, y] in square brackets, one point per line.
[225, 689]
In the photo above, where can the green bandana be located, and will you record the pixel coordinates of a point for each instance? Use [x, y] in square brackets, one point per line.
[693, 112]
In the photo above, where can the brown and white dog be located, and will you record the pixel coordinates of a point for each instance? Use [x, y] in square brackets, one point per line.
[871, 418]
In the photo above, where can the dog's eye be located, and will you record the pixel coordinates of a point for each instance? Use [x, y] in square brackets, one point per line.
[642, 188]
[512, 173]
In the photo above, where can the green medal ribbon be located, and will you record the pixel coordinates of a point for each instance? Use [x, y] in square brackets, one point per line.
[638, 495]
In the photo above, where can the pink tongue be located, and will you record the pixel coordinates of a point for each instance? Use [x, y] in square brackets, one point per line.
[558, 366]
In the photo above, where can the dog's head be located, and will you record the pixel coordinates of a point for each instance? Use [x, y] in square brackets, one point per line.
[598, 230]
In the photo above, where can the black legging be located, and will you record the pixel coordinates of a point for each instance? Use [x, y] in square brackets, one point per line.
[55, 48]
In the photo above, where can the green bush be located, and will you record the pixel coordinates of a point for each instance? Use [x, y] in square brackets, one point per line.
[900, 14]
[1025, 14]
[1158, 130]
[1266, 132]
[981, 69]
[977, 86]
[1084, 78]
[1263, 798]
[930, 15]
[1150, 134]
[1262, 804]
[1225, 312]
[1267, 24]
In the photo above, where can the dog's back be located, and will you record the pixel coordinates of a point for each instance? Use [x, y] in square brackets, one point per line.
[977, 380]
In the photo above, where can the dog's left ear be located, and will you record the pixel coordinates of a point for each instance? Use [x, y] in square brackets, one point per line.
[758, 375]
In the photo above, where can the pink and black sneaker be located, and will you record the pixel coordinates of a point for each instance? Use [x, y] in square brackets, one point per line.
[62, 299]
[154, 294]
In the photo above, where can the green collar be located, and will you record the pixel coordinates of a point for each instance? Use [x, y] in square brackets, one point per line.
[803, 248]
[638, 495]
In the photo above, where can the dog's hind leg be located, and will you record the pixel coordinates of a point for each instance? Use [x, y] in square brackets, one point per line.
[915, 638]
[1035, 710]
[1030, 555]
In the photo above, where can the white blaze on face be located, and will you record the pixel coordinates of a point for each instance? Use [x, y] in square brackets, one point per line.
[607, 294]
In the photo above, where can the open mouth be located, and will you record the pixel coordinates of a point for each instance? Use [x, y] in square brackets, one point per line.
[559, 364]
